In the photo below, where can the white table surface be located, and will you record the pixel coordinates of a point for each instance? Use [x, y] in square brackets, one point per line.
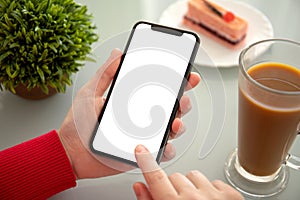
[21, 119]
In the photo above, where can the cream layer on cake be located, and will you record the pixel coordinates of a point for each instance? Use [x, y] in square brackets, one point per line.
[201, 18]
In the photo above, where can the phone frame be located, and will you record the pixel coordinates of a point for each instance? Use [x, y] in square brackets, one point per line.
[164, 29]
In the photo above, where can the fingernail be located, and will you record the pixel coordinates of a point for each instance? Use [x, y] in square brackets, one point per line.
[115, 51]
[141, 149]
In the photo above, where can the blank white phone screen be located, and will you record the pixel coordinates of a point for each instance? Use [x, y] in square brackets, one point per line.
[144, 94]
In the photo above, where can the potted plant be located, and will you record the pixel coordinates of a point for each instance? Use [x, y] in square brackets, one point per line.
[42, 43]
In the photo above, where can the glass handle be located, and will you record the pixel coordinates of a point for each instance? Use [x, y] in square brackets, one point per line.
[293, 162]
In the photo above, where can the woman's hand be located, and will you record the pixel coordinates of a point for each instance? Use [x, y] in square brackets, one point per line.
[194, 185]
[78, 126]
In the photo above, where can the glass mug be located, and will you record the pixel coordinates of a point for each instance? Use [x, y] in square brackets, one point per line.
[268, 118]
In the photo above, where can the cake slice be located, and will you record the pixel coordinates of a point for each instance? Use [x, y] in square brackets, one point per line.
[216, 22]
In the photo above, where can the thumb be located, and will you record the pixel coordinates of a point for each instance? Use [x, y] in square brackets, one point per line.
[104, 75]
[141, 191]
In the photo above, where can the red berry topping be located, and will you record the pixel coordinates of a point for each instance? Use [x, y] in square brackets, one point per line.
[228, 16]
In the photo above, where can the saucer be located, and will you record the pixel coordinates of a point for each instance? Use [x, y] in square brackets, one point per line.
[259, 28]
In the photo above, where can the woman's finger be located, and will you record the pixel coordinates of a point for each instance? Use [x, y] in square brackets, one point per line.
[141, 191]
[226, 190]
[103, 77]
[157, 180]
[181, 183]
[193, 80]
[169, 153]
[178, 128]
[199, 180]
[184, 105]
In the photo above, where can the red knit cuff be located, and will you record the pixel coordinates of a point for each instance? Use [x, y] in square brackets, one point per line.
[36, 169]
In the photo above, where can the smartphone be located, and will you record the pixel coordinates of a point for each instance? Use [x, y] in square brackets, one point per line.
[144, 95]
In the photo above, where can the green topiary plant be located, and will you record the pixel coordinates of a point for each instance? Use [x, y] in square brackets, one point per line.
[42, 42]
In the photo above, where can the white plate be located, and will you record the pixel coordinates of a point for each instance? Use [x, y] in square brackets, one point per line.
[259, 28]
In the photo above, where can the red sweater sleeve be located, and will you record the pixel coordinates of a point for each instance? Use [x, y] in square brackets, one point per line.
[36, 169]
